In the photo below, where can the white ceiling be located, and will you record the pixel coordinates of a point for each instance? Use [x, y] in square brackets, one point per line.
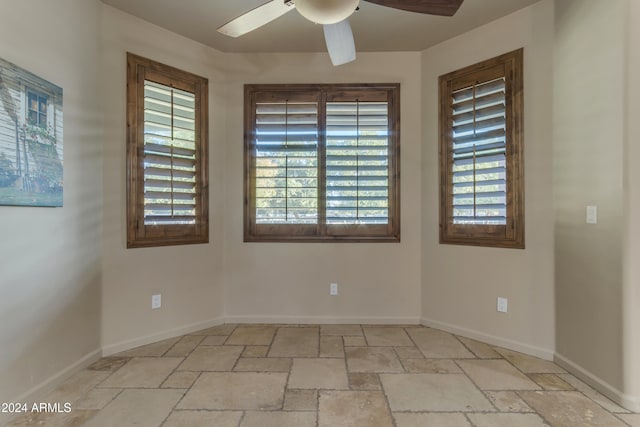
[376, 28]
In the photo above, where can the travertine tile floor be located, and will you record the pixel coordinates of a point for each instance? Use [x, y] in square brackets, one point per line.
[327, 376]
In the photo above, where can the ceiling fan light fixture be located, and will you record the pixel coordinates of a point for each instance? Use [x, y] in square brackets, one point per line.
[326, 11]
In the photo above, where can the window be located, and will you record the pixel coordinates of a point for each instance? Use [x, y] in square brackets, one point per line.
[37, 109]
[481, 158]
[322, 162]
[167, 175]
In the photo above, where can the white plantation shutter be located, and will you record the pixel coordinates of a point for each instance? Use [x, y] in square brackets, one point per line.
[357, 163]
[321, 162]
[167, 161]
[286, 152]
[479, 154]
[169, 155]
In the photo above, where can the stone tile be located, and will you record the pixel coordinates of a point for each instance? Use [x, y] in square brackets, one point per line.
[529, 364]
[301, 400]
[184, 347]
[409, 353]
[76, 386]
[436, 344]
[353, 409]
[569, 408]
[140, 408]
[262, 364]
[433, 392]
[155, 349]
[354, 341]
[251, 335]
[341, 330]
[279, 419]
[387, 336]
[507, 420]
[480, 349]
[97, 398]
[216, 330]
[142, 372]
[592, 394]
[236, 391]
[430, 420]
[204, 358]
[364, 381]
[372, 359]
[331, 346]
[180, 379]
[508, 401]
[496, 375]
[214, 340]
[551, 382]
[431, 366]
[109, 364]
[75, 418]
[295, 342]
[321, 373]
[203, 418]
[255, 351]
[632, 419]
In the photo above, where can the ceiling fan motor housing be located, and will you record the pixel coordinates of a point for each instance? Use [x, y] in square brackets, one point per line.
[326, 11]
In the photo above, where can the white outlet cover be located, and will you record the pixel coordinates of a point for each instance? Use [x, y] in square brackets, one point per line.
[333, 289]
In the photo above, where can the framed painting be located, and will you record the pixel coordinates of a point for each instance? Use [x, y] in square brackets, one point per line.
[31, 153]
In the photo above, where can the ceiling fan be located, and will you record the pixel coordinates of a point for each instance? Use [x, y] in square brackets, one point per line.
[334, 16]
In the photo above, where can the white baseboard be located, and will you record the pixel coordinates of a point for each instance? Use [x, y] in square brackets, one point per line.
[518, 346]
[37, 392]
[111, 349]
[324, 320]
[629, 402]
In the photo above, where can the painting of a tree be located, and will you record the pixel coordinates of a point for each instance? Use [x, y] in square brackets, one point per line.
[31, 153]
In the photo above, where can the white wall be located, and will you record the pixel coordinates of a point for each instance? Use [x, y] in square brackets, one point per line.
[189, 278]
[289, 282]
[50, 267]
[460, 284]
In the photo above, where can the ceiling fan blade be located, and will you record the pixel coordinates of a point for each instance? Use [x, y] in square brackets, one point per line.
[340, 44]
[256, 18]
[430, 7]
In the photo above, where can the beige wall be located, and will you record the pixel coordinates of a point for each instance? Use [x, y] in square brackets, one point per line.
[460, 284]
[631, 278]
[262, 281]
[188, 277]
[80, 289]
[289, 282]
[50, 257]
[589, 80]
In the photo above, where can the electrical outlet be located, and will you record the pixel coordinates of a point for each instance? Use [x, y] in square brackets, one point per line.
[156, 301]
[503, 305]
[333, 289]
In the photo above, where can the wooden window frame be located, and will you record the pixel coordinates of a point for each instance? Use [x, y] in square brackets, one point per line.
[510, 235]
[323, 232]
[140, 234]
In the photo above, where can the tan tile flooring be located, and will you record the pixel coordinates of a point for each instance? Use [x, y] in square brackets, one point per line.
[327, 376]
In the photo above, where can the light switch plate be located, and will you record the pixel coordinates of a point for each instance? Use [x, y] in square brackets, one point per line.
[156, 301]
[592, 214]
[503, 305]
